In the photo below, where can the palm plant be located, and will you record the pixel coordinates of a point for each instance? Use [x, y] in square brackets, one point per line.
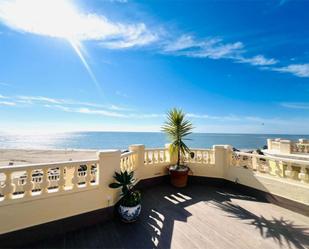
[177, 128]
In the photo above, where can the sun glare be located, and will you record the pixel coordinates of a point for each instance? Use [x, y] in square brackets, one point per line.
[54, 18]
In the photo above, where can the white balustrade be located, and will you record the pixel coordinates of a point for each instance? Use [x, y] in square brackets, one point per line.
[199, 156]
[128, 161]
[294, 169]
[300, 147]
[156, 156]
[32, 181]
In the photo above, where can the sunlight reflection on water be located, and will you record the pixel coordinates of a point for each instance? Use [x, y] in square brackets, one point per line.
[121, 140]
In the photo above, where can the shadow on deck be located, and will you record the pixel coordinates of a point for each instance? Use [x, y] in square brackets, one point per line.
[198, 216]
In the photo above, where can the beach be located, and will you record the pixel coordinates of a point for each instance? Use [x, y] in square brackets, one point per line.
[21, 157]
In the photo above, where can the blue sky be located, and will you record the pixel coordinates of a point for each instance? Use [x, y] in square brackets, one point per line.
[233, 66]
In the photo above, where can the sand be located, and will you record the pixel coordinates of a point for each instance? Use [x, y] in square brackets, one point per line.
[21, 157]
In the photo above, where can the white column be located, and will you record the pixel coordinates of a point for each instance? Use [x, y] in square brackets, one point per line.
[285, 146]
[222, 158]
[269, 143]
[109, 162]
[139, 149]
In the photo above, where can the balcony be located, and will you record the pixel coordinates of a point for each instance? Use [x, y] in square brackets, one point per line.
[229, 203]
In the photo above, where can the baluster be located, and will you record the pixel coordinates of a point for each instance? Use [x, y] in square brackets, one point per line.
[288, 172]
[29, 183]
[157, 158]
[75, 178]
[152, 157]
[128, 166]
[9, 187]
[208, 157]
[45, 181]
[194, 159]
[277, 170]
[61, 181]
[88, 176]
[123, 164]
[203, 157]
[129, 163]
[254, 163]
[164, 156]
[303, 176]
[267, 166]
[147, 157]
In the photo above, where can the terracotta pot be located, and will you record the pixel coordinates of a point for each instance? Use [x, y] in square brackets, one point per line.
[179, 178]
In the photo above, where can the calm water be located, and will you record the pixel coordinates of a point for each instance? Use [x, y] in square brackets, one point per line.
[121, 140]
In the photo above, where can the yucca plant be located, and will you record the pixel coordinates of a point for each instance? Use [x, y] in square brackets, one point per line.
[177, 128]
[125, 180]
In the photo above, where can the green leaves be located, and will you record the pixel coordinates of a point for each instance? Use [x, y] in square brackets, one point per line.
[177, 128]
[114, 185]
[124, 180]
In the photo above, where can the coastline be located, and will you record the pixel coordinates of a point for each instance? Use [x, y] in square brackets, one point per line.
[32, 156]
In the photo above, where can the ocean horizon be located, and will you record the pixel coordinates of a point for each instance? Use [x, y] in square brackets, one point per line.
[121, 140]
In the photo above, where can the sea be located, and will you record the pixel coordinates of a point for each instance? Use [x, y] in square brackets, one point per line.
[121, 140]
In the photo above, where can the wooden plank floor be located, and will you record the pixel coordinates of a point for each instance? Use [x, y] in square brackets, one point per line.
[198, 216]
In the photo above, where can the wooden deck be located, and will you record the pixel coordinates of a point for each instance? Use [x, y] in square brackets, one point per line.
[195, 217]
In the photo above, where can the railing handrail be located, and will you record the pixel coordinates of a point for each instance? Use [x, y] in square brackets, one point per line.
[43, 165]
[126, 154]
[300, 143]
[202, 149]
[151, 149]
[295, 161]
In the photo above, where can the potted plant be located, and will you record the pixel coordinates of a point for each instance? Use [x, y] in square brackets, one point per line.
[130, 203]
[177, 128]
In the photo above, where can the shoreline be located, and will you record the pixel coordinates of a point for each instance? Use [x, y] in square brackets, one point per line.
[33, 156]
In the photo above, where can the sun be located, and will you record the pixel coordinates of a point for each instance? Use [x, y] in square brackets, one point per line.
[54, 18]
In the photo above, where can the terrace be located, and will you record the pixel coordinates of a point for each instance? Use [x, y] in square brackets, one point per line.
[229, 203]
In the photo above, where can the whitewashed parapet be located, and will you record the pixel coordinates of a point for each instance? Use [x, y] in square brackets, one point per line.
[199, 156]
[294, 169]
[40, 180]
[155, 156]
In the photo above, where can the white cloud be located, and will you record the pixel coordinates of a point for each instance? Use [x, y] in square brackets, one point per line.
[184, 42]
[7, 103]
[213, 48]
[219, 51]
[300, 70]
[102, 112]
[295, 105]
[118, 1]
[258, 60]
[42, 100]
[30, 99]
[62, 19]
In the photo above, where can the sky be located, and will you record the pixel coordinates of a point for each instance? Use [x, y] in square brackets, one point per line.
[120, 65]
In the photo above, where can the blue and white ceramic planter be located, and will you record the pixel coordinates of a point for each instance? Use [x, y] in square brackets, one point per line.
[129, 214]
